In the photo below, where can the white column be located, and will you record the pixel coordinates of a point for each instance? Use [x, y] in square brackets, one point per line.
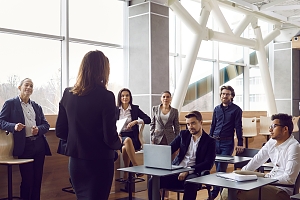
[64, 31]
[265, 73]
[191, 57]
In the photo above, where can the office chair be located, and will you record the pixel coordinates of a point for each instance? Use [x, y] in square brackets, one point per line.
[249, 129]
[134, 179]
[246, 153]
[264, 125]
[295, 122]
[181, 190]
[6, 158]
[295, 186]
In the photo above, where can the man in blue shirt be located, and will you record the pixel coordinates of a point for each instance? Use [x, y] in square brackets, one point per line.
[227, 119]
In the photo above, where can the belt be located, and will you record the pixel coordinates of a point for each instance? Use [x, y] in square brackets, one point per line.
[32, 138]
[222, 138]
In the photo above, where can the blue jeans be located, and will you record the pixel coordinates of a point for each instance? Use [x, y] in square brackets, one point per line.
[223, 147]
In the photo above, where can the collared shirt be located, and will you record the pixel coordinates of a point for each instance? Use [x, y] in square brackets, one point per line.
[29, 115]
[190, 156]
[226, 120]
[286, 160]
[127, 113]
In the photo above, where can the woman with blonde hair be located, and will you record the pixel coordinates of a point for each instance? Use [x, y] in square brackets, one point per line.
[86, 120]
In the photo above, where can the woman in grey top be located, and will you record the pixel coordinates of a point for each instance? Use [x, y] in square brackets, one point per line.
[164, 126]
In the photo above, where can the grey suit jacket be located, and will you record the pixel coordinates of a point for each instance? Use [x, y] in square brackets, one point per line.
[158, 129]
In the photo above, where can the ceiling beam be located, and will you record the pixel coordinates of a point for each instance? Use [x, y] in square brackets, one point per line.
[269, 5]
[245, 4]
[289, 7]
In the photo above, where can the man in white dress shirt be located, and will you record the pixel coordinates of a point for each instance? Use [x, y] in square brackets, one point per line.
[284, 151]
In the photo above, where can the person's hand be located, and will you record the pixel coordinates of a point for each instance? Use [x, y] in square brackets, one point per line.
[34, 130]
[239, 149]
[131, 124]
[182, 176]
[19, 126]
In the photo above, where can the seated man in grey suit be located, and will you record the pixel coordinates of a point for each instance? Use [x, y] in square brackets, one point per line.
[197, 150]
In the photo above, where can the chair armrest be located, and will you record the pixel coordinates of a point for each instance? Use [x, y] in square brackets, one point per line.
[283, 185]
[204, 172]
[141, 138]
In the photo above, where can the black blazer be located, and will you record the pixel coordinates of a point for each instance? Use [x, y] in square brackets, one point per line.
[12, 113]
[136, 113]
[88, 124]
[205, 154]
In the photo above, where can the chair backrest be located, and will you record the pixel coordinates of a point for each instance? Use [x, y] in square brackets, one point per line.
[249, 126]
[297, 185]
[6, 145]
[264, 124]
[246, 153]
[141, 138]
[295, 122]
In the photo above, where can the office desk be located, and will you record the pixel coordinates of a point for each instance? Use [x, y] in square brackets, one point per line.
[295, 197]
[234, 160]
[156, 174]
[232, 186]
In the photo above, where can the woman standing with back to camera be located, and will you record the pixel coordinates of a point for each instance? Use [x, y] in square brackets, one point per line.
[86, 119]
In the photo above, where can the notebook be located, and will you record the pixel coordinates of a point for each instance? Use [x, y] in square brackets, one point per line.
[226, 158]
[237, 177]
[120, 123]
[158, 156]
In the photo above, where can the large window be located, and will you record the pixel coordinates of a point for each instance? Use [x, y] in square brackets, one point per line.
[233, 75]
[31, 44]
[199, 94]
[230, 58]
[115, 56]
[97, 20]
[257, 95]
[31, 15]
[35, 58]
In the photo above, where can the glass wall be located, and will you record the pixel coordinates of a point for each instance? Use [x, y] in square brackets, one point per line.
[31, 44]
[226, 60]
[199, 94]
[35, 58]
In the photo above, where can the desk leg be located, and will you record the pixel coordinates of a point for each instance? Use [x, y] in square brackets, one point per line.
[155, 187]
[9, 181]
[129, 186]
[231, 194]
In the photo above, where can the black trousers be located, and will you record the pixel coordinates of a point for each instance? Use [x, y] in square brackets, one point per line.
[32, 172]
[91, 179]
[190, 189]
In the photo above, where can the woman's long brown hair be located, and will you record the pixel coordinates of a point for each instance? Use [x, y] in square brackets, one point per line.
[93, 71]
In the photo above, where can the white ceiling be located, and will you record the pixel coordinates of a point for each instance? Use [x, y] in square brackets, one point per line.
[285, 11]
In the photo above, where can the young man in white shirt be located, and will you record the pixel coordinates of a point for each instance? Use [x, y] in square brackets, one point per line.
[284, 151]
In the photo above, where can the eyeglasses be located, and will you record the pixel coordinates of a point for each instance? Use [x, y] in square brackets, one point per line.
[274, 126]
[225, 94]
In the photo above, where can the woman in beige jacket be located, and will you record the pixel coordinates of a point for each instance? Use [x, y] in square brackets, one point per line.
[164, 126]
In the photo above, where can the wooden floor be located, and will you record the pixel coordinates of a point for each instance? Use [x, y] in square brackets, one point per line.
[56, 176]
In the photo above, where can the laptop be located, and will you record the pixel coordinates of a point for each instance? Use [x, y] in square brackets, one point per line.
[225, 158]
[120, 123]
[158, 156]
